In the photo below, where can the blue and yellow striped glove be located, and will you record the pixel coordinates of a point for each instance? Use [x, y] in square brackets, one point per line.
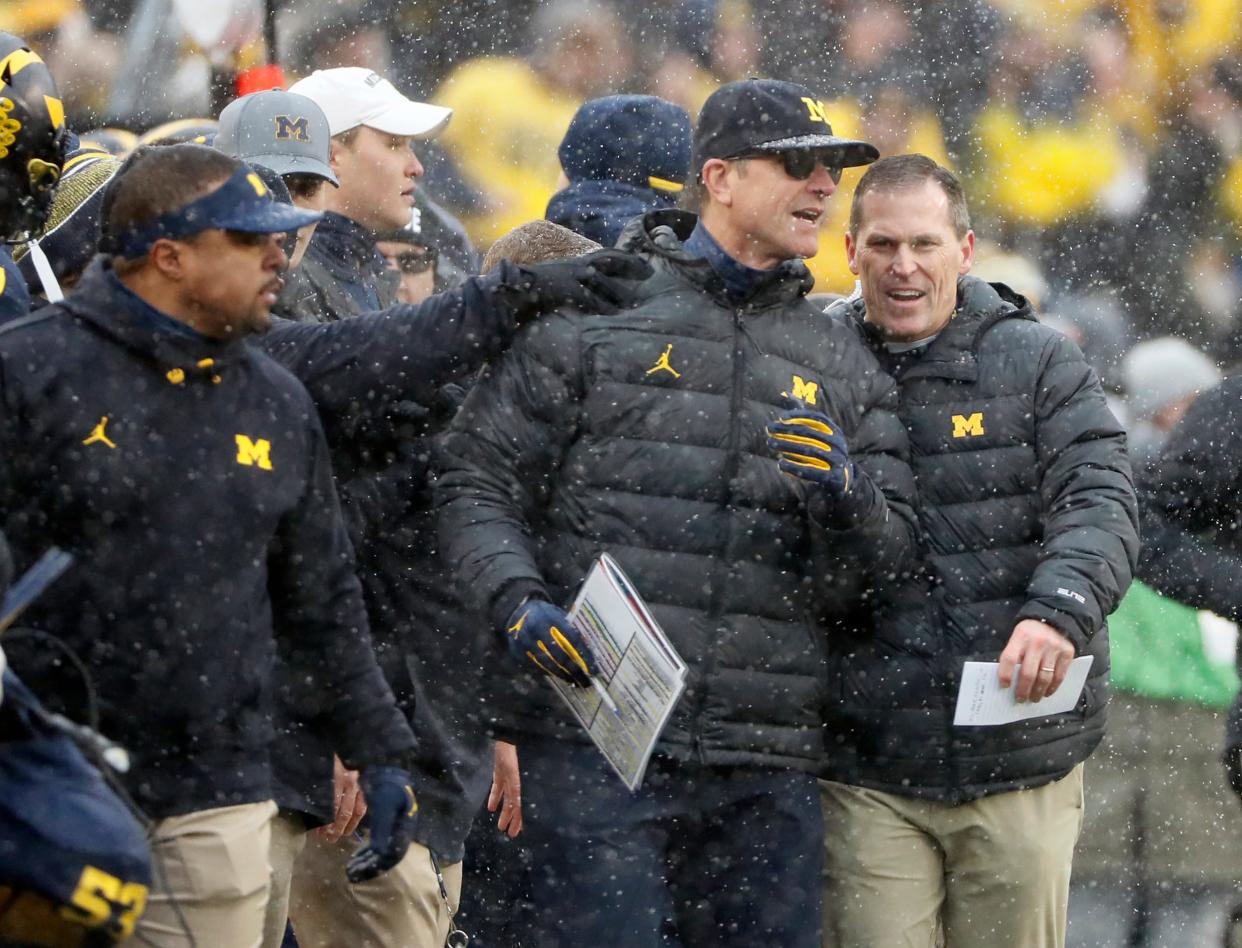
[541, 634]
[809, 446]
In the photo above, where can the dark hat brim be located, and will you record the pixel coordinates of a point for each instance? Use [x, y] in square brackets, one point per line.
[270, 218]
[853, 152]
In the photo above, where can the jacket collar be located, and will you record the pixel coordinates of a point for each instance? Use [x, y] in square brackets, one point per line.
[180, 353]
[660, 236]
[342, 243]
[953, 354]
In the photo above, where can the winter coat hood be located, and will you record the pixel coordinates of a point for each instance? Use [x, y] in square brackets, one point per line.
[119, 313]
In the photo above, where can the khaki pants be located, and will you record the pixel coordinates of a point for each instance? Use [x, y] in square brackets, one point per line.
[214, 880]
[289, 836]
[402, 907]
[906, 873]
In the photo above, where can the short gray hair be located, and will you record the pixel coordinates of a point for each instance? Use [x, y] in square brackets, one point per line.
[909, 171]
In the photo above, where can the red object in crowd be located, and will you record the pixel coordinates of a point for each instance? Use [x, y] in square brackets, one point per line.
[260, 79]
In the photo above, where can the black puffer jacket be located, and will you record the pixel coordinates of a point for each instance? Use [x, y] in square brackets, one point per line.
[1028, 511]
[642, 434]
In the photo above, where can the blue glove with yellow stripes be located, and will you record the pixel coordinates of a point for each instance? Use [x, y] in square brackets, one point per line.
[542, 634]
[809, 446]
[391, 812]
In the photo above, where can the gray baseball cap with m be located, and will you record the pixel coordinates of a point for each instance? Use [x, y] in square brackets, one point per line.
[283, 131]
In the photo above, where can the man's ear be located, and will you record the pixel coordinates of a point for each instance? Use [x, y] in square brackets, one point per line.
[968, 253]
[335, 149]
[851, 253]
[166, 257]
[717, 181]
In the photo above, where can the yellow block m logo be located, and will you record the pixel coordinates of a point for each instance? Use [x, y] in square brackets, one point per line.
[254, 453]
[968, 426]
[815, 109]
[805, 392]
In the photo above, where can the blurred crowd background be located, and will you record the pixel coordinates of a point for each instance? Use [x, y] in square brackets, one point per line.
[1101, 142]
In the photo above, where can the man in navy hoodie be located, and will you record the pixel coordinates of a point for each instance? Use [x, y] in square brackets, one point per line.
[189, 476]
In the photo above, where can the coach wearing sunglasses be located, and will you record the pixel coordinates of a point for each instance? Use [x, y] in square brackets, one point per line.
[740, 457]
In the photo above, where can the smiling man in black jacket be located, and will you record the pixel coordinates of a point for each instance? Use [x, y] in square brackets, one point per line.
[1030, 523]
[646, 435]
[189, 475]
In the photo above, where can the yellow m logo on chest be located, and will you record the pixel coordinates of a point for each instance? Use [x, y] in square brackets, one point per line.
[254, 453]
[805, 392]
[968, 426]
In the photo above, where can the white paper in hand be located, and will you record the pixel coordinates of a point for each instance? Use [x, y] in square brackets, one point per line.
[982, 700]
[641, 677]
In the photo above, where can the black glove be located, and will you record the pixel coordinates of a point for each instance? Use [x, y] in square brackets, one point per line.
[391, 813]
[541, 634]
[809, 446]
[600, 282]
[1233, 768]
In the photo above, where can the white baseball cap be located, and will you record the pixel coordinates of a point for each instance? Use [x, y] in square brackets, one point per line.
[353, 95]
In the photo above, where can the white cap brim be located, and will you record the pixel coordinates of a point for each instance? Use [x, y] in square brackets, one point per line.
[415, 119]
[351, 96]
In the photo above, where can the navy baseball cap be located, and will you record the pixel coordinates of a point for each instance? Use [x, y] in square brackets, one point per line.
[754, 117]
[242, 203]
[280, 130]
[637, 139]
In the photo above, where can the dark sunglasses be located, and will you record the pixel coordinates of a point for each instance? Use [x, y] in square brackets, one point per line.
[800, 163]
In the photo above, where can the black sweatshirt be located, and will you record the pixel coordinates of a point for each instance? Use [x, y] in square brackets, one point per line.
[190, 479]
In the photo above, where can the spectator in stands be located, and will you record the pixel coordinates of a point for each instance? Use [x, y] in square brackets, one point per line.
[512, 113]
[1162, 378]
[622, 156]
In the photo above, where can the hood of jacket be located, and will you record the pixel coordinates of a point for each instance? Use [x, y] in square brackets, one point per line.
[101, 300]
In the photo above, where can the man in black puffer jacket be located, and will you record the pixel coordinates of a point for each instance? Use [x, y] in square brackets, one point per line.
[645, 435]
[1029, 519]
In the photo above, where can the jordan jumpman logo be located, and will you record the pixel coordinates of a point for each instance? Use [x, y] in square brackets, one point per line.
[663, 365]
[98, 434]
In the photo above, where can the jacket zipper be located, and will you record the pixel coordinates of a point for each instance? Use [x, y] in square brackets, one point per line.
[723, 567]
